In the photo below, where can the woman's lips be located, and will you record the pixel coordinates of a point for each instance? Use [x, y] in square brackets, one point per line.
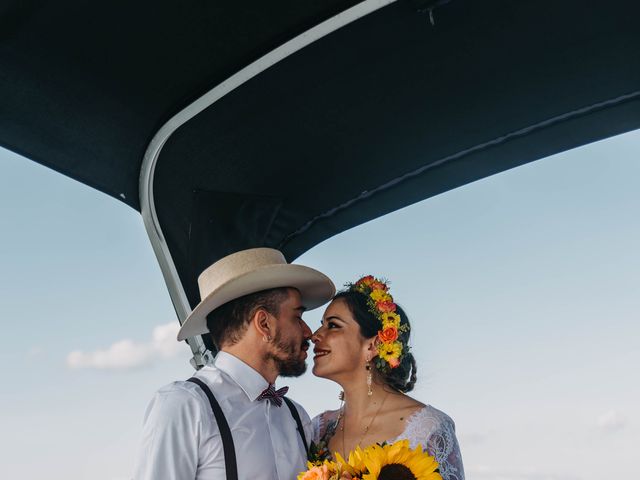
[319, 352]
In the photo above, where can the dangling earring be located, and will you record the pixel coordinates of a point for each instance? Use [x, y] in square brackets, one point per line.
[369, 377]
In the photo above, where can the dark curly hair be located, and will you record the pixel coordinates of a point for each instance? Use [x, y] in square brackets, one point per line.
[404, 376]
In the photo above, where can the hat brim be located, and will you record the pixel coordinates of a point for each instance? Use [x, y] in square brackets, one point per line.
[315, 289]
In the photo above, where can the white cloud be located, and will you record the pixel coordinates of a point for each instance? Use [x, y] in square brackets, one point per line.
[127, 354]
[611, 421]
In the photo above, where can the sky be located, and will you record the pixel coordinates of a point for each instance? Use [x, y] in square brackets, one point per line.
[523, 290]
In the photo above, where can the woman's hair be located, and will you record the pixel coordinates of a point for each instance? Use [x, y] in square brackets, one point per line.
[401, 378]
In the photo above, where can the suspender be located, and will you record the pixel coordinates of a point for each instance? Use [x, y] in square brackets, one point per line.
[230, 464]
[296, 417]
[228, 447]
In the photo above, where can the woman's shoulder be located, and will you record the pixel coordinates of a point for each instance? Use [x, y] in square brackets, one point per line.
[432, 416]
[428, 422]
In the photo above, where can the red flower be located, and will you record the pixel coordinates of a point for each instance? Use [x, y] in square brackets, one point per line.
[368, 280]
[376, 285]
[386, 306]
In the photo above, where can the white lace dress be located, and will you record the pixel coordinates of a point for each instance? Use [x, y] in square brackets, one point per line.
[428, 426]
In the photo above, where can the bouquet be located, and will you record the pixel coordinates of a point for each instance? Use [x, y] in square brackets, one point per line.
[395, 461]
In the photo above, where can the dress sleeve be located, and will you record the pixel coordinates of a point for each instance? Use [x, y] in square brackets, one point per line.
[443, 445]
[435, 432]
[317, 423]
[169, 444]
[321, 423]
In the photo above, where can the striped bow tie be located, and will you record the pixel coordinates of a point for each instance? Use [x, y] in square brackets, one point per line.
[274, 396]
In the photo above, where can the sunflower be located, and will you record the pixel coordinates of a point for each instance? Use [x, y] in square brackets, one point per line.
[398, 462]
[355, 466]
[390, 319]
[387, 351]
[380, 296]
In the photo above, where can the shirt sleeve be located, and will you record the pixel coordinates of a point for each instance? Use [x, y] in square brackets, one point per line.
[169, 444]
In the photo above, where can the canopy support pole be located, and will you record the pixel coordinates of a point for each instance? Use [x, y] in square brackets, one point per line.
[201, 356]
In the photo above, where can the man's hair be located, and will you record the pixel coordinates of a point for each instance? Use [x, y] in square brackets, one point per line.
[228, 323]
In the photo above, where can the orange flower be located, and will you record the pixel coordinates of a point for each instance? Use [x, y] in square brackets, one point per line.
[316, 473]
[389, 334]
[393, 362]
[386, 306]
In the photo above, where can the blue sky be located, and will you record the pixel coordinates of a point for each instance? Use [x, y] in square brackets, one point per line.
[523, 290]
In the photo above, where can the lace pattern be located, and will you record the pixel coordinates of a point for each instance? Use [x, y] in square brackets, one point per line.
[429, 427]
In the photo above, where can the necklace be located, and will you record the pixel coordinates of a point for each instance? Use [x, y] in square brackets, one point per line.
[342, 416]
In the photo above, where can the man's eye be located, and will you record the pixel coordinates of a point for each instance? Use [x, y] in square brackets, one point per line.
[331, 325]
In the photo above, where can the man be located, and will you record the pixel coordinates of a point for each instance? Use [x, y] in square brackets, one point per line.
[252, 304]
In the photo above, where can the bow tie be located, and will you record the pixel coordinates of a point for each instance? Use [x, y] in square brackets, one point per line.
[274, 396]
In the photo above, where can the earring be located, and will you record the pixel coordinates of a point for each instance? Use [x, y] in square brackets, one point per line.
[369, 377]
[266, 338]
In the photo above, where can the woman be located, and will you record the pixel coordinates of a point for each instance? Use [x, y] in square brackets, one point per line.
[363, 346]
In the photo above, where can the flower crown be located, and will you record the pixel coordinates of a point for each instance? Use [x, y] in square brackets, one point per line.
[380, 302]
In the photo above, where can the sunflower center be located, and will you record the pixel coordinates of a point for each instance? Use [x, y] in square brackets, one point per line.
[396, 471]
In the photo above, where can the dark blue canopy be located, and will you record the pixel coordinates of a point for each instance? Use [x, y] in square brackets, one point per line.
[389, 105]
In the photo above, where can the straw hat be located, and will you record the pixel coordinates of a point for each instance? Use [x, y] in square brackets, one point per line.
[250, 271]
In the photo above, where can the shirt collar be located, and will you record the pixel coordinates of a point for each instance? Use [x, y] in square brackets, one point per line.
[249, 380]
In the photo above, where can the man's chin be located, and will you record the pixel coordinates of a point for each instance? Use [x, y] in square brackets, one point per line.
[293, 370]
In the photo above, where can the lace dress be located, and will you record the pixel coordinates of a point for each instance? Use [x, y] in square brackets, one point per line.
[428, 426]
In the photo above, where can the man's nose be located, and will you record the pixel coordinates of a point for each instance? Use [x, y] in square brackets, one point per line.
[306, 331]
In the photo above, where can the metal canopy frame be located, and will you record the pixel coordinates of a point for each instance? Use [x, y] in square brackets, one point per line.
[201, 354]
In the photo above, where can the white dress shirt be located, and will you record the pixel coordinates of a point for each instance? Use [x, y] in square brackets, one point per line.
[181, 439]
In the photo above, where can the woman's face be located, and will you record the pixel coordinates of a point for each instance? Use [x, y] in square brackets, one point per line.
[340, 350]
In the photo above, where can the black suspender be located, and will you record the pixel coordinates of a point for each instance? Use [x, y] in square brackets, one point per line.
[228, 447]
[296, 417]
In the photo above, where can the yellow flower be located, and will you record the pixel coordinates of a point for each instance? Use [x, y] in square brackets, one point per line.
[397, 460]
[389, 351]
[380, 296]
[390, 319]
[355, 466]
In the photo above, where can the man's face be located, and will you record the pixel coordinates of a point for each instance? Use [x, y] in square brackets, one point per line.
[291, 340]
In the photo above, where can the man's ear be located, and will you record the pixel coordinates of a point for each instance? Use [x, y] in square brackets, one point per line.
[262, 322]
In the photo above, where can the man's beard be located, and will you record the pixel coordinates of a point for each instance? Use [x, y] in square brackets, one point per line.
[286, 358]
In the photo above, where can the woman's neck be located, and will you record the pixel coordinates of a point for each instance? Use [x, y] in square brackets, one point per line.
[357, 400]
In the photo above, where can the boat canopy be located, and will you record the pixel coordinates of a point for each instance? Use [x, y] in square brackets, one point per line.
[238, 124]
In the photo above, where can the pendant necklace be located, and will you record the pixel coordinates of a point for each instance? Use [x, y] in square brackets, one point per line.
[341, 416]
